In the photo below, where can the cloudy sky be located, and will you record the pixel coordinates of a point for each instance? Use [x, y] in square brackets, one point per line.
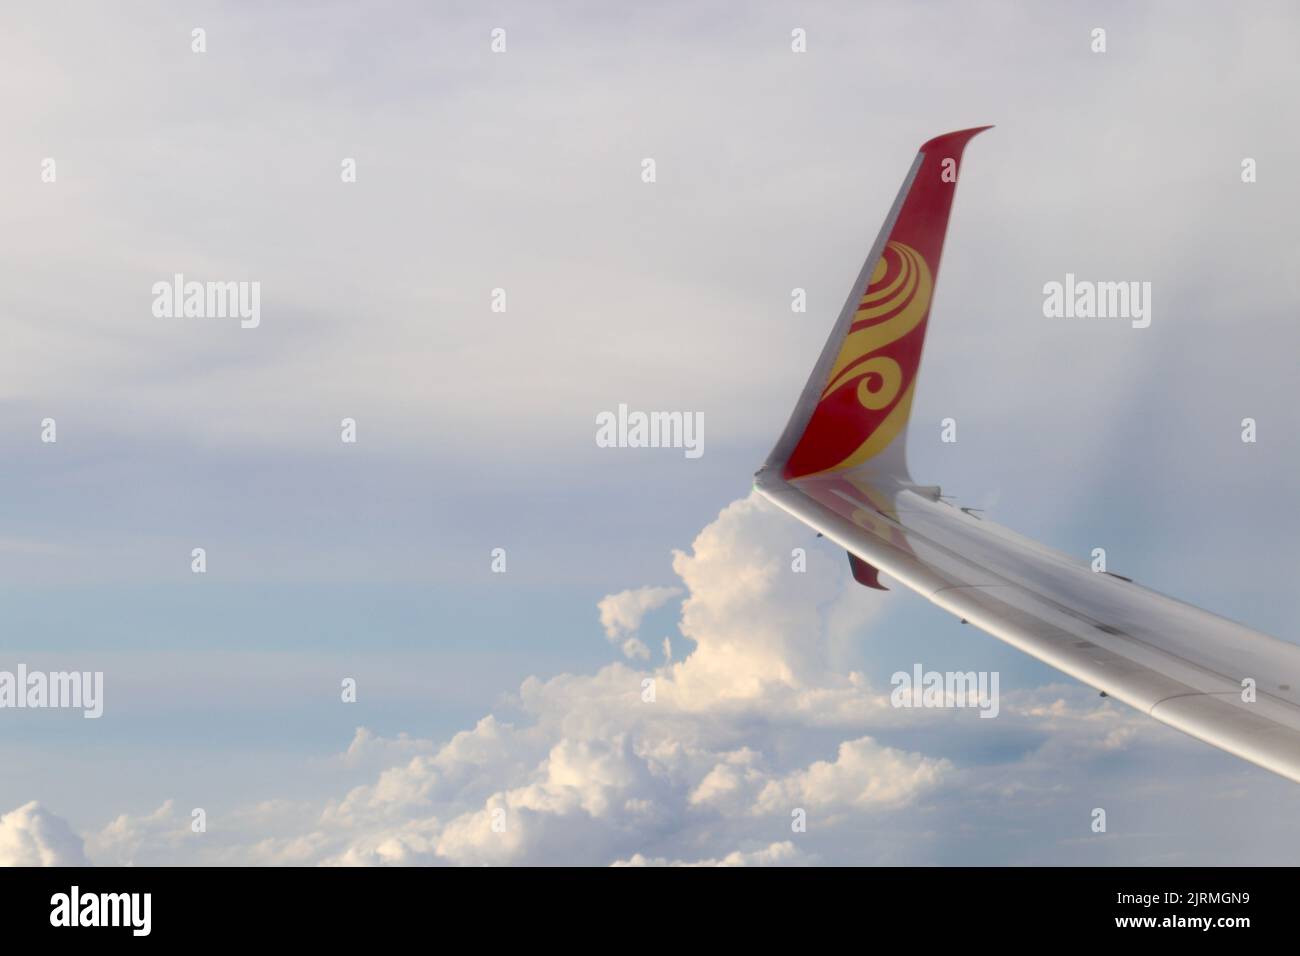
[518, 696]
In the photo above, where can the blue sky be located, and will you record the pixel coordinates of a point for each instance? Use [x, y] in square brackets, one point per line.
[521, 170]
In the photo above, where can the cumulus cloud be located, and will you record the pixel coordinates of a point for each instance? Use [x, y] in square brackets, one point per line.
[699, 760]
[777, 854]
[621, 615]
[126, 838]
[757, 748]
[368, 747]
[863, 774]
[32, 836]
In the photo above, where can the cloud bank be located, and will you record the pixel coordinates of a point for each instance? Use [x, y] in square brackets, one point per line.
[754, 749]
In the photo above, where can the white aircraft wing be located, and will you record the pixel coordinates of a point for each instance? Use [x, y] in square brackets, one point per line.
[840, 468]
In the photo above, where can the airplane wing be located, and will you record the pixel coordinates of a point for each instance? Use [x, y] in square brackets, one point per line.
[840, 467]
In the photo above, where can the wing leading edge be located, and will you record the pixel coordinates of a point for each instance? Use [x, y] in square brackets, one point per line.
[840, 468]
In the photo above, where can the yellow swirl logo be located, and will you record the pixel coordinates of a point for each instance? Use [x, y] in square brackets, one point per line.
[897, 300]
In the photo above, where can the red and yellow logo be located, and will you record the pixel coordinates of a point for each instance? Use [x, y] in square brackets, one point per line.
[868, 396]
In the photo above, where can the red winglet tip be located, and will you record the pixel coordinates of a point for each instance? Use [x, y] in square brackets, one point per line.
[956, 139]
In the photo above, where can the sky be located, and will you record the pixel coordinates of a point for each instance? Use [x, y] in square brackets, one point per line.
[522, 170]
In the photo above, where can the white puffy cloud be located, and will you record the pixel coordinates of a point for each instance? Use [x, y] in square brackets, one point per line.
[777, 854]
[623, 612]
[621, 615]
[763, 633]
[32, 836]
[703, 761]
[863, 774]
[367, 747]
[122, 841]
[594, 770]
